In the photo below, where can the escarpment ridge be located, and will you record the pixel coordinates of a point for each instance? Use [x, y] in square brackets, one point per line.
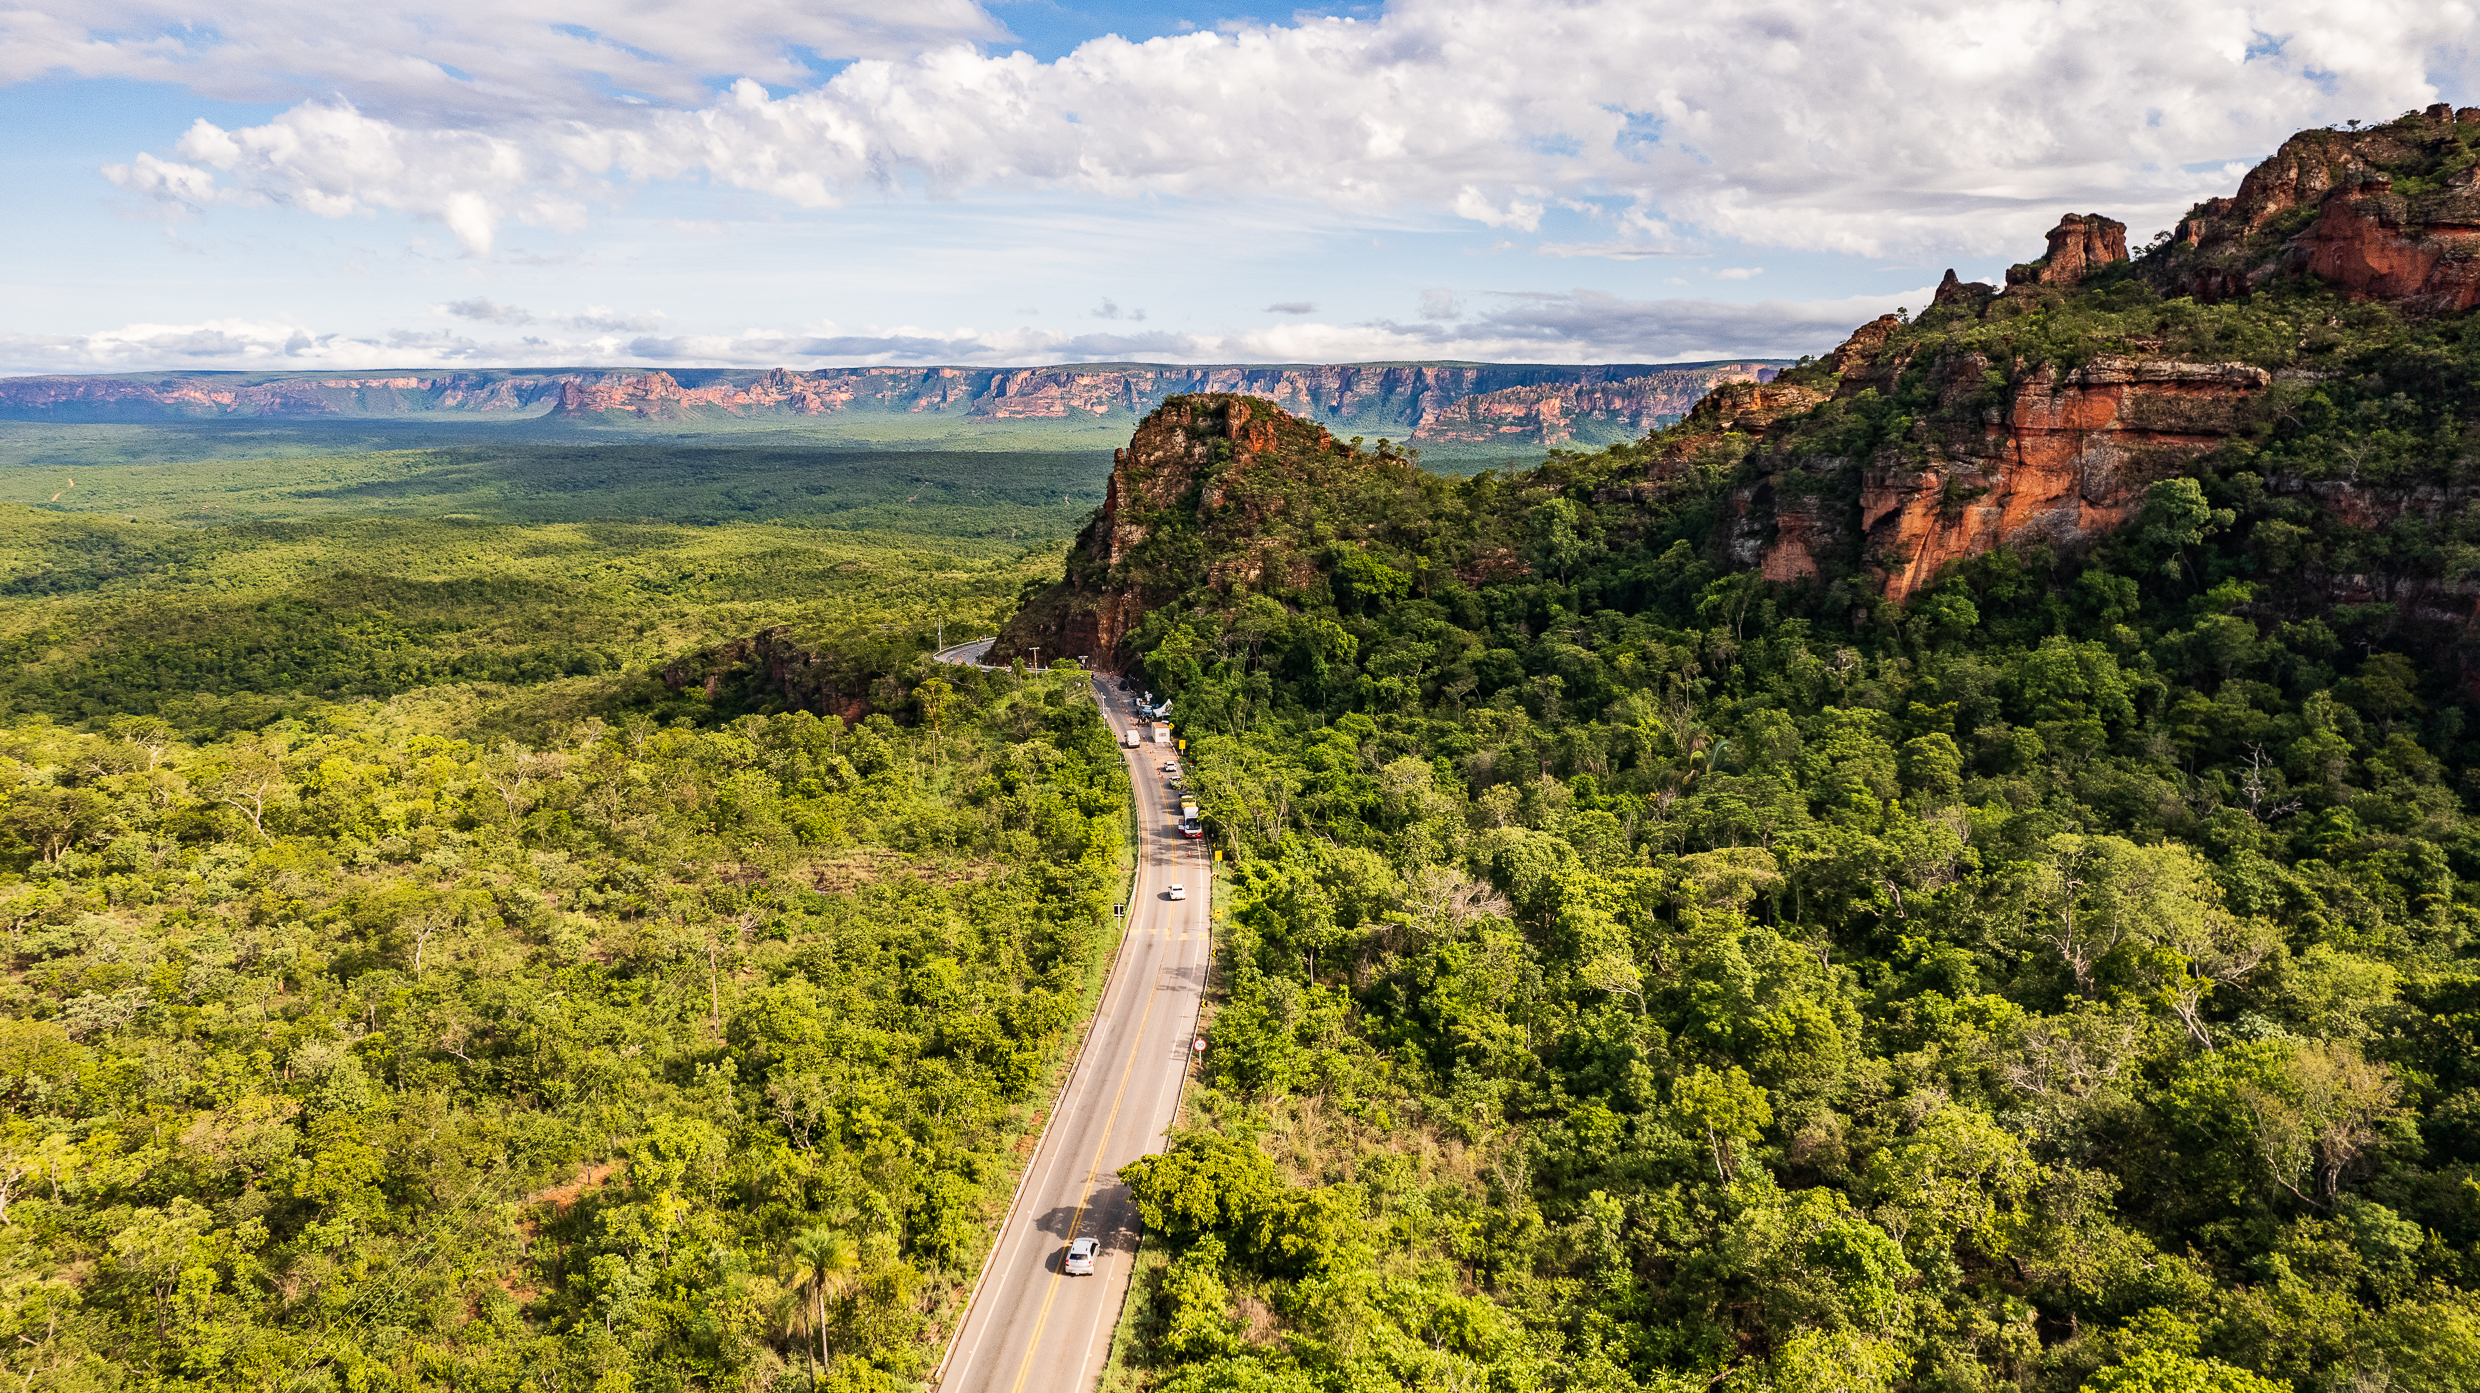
[1518, 405]
[2292, 359]
[2041, 413]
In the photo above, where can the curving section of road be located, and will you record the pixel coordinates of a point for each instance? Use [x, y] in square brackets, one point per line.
[973, 654]
[1032, 1328]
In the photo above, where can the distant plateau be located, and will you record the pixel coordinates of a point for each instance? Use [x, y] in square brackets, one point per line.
[1461, 406]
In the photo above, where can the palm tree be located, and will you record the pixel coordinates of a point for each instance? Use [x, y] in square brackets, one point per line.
[821, 1261]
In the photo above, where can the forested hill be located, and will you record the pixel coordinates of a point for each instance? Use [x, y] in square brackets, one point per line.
[1949, 871]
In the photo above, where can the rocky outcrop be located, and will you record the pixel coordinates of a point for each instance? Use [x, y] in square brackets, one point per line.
[2327, 205]
[1518, 405]
[2379, 245]
[2060, 457]
[1221, 492]
[1741, 411]
[1190, 459]
[2051, 455]
[1862, 347]
[1971, 296]
[2022, 451]
[2079, 245]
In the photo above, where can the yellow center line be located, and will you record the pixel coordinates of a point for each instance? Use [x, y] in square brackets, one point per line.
[1136, 1050]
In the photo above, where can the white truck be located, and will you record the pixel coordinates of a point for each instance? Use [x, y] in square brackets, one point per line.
[1128, 737]
[1162, 732]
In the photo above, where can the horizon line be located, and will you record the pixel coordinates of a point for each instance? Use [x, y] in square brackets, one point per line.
[1101, 365]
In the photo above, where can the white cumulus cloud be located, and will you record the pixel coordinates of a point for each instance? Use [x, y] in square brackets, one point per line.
[1865, 128]
[1562, 327]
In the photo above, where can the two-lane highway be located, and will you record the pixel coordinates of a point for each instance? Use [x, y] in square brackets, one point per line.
[1033, 1328]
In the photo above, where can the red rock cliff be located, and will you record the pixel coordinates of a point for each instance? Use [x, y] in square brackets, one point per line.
[2052, 455]
[2067, 456]
[1563, 413]
[2016, 452]
[2325, 205]
[2079, 245]
[1228, 490]
[1193, 457]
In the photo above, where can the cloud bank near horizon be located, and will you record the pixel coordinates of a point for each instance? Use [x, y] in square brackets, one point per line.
[1583, 326]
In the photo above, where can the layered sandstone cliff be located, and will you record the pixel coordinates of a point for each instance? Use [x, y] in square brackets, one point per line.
[2002, 449]
[1517, 405]
[2001, 454]
[2059, 457]
[177, 396]
[2389, 213]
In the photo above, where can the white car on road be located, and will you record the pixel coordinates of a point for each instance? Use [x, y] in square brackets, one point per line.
[1080, 1261]
[1178, 891]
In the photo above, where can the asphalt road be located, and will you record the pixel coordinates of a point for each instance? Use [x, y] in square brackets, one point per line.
[972, 654]
[1032, 1328]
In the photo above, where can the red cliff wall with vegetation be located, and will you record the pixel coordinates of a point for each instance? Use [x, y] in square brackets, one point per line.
[2060, 447]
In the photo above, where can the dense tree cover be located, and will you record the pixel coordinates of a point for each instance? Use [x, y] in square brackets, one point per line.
[1631, 974]
[350, 1053]
[1016, 481]
[227, 628]
[1642, 976]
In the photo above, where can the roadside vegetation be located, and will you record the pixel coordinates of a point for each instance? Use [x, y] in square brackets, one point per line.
[533, 951]
[1645, 977]
[408, 986]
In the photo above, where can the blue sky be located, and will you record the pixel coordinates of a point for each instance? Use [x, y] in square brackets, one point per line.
[691, 182]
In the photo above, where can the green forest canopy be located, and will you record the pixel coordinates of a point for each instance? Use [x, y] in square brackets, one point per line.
[1643, 976]
[1633, 975]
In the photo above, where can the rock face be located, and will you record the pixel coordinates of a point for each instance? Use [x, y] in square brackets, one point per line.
[2070, 456]
[2014, 452]
[2326, 206]
[1425, 403]
[1521, 406]
[176, 396]
[2055, 456]
[1954, 290]
[2079, 245]
[1226, 489]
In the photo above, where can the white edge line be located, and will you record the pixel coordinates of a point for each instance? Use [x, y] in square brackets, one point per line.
[1007, 1223]
[1178, 1098]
